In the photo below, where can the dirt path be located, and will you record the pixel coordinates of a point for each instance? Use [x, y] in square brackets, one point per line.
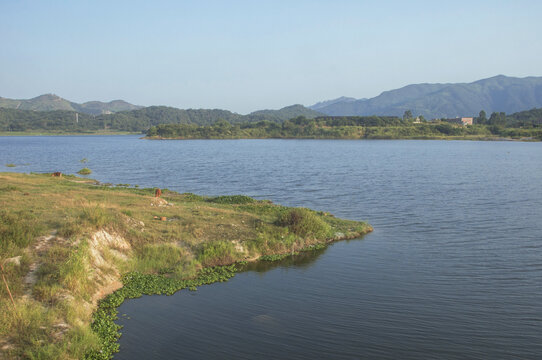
[43, 243]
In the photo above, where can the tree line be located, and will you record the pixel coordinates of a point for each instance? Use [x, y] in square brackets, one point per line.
[370, 127]
[221, 123]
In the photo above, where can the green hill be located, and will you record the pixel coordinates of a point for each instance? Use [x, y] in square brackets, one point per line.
[51, 102]
[135, 120]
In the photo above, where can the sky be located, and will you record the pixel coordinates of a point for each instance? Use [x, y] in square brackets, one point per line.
[250, 55]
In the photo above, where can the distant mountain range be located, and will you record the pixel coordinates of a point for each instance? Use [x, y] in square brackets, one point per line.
[51, 102]
[496, 94]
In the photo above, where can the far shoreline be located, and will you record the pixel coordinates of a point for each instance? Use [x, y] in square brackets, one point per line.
[448, 138]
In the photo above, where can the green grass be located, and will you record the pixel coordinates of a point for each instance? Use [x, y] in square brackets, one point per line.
[17, 231]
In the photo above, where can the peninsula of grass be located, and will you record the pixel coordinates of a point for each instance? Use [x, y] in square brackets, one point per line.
[73, 250]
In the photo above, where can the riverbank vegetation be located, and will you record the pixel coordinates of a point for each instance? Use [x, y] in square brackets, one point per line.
[369, 127]
[70, 246]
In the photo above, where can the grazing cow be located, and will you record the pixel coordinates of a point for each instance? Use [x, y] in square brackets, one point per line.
[57, 174]
[157, 192]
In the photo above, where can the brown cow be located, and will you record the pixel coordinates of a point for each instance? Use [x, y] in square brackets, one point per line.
[157, 192]
[57, 174]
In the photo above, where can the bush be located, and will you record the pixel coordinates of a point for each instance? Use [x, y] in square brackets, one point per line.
[217, 253]
[85, 171]
[304, 223]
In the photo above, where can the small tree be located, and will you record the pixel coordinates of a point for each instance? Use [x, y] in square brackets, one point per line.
[407, 115]
[482, 118]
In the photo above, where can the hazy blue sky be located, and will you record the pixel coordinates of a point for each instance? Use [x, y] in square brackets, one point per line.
[248, 55]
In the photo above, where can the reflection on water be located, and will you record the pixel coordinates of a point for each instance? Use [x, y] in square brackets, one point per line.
[303, 260]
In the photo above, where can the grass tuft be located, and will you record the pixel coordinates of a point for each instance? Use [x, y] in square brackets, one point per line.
[85, 171]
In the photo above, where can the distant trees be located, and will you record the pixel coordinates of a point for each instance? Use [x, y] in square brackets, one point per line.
[482, 118]
[525, 119]
[497, 118]
[408, 115]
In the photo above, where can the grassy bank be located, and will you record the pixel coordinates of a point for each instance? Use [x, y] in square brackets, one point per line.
[70, 246]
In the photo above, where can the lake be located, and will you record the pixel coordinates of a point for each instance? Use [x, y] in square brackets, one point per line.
[453, 269]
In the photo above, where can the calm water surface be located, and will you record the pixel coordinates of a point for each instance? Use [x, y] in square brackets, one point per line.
[453, 269]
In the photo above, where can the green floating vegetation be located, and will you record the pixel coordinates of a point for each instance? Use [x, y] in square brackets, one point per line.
[135, 285]
[85, 171]
[10, 165]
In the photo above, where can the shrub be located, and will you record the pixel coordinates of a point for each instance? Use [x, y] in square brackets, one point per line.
[217, 253]
[85, 171]
[304, 223]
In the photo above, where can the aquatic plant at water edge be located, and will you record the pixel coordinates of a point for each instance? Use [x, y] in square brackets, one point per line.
[135, 285]
[85, 171]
